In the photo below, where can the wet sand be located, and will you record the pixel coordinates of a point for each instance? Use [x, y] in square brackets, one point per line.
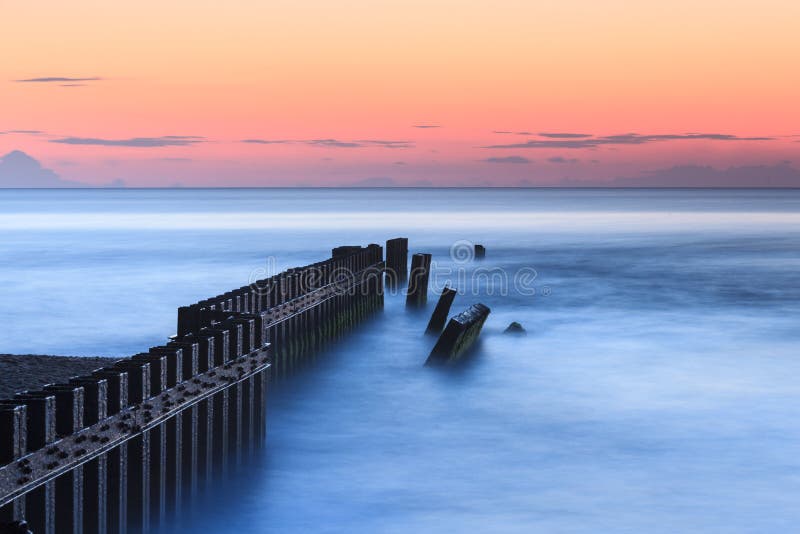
[19, 372]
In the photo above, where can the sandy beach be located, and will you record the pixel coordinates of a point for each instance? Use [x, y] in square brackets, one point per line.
[19, 372]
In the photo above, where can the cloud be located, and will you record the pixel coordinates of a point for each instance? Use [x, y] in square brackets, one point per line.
[18, 169]
[625, 139]
[176, 160]
[334, 143]
[559, 159]
[400, 163]
[266, 141]
[25, 132]
[508, 159]
[426, 126]
[59, 79]
[564, 135]
[117, 183]
[359, 143]
[386, 144]
[137, 142]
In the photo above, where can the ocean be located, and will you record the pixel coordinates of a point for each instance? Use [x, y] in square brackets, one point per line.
[656, 389]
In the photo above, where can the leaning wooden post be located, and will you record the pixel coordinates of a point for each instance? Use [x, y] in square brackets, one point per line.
[459, 335]
[439, 317]
[418, 280]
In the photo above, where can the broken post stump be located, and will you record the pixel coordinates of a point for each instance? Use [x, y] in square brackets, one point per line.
[439, 317]
[418, 280]
[459, 335]
[480, 252]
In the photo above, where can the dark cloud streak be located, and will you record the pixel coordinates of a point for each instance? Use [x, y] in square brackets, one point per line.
[624, 139]
[509, 159]
[58, 79]
[134, 142]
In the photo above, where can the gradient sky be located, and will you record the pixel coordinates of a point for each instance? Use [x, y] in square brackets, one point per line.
[331, 93]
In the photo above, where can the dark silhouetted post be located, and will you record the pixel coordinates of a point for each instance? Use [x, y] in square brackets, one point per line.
[418, 280]
[439, 317]
[459, 335]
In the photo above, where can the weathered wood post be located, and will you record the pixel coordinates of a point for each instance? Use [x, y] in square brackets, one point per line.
[396, 260]
[480, 252]
[418, 280]
[116, 458]
[158, 439]
[40, 504]
[95, 493]
[459, 335]
[13, 445]
[139, 449]
[439, 317]
[69, 486]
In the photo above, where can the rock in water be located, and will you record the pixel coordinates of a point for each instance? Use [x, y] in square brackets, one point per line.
[515, 328]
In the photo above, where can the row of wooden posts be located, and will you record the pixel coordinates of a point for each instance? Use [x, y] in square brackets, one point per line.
[129, 446]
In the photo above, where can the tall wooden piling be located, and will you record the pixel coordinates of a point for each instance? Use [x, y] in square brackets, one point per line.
[396, 260]
[417, 294]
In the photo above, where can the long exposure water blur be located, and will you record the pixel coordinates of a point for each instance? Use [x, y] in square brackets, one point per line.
[656, 389]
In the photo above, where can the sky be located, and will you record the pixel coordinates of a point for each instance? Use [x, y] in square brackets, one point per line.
[313, 92]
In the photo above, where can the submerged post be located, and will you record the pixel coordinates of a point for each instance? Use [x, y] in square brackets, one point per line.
[418, 280]
[439, 317]
[460, 334]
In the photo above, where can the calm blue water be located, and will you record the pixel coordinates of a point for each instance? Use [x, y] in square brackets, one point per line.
[658, 389]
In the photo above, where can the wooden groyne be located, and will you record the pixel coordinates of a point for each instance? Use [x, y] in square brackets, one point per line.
[126, 447]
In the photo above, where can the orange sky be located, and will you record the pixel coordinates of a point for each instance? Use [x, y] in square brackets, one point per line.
[356, 72]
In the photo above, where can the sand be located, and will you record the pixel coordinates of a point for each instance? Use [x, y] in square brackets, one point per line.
[27, 371]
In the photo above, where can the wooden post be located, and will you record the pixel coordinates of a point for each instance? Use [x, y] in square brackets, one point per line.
[460, 333]
[40, 505]
[116, 458]
[418, 280]
[13, 445]
[69, 486]
[139, 449]
[396, 260]
[95, 493]
[439, 317]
